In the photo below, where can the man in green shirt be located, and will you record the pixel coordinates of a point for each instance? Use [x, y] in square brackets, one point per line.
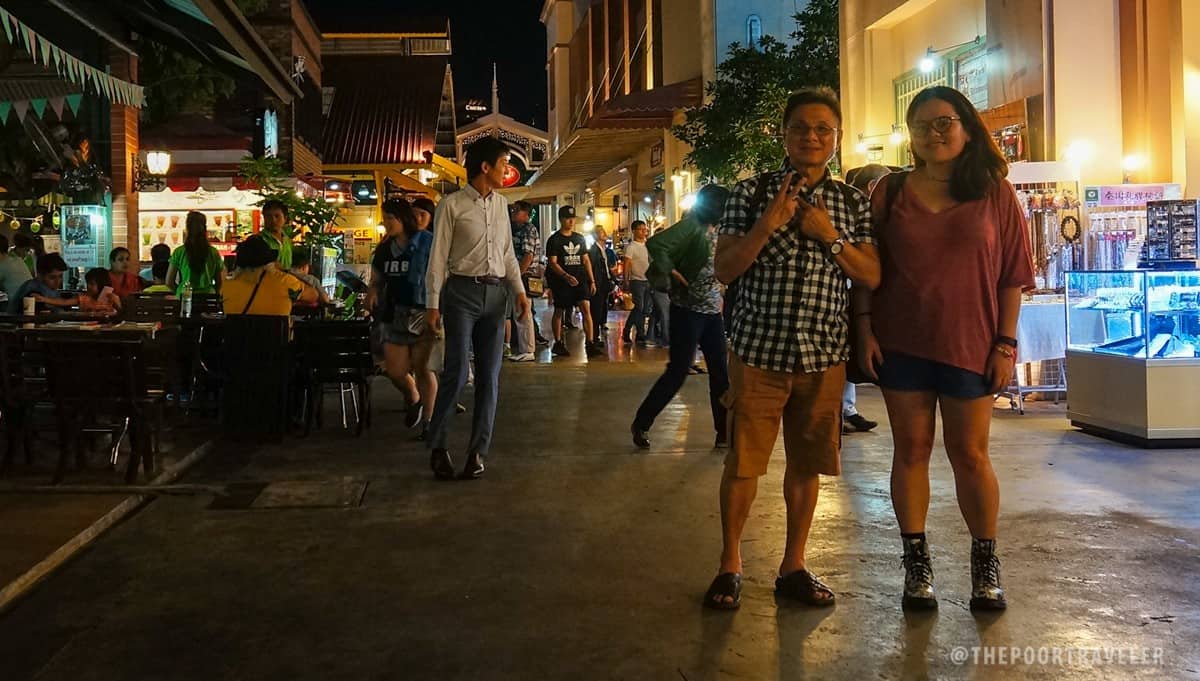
[275, 234]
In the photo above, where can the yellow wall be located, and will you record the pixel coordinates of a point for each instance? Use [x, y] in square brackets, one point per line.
[892, 43]
[1087, 85]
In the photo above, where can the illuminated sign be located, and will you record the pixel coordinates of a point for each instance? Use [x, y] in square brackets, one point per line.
[270, 127]
[476, 107]
[512, 176]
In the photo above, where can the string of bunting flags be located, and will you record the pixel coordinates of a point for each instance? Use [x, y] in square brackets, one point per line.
[76, 71]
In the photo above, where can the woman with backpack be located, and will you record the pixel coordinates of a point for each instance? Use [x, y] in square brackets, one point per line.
[940, 331]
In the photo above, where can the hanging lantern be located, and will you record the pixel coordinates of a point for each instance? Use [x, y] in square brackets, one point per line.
[158, 162]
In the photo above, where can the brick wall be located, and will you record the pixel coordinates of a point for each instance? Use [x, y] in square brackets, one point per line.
[124, 140]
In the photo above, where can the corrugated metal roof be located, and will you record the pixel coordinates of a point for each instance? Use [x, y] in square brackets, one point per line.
[385, 109]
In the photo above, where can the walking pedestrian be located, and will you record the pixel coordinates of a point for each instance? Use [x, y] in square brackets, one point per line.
[637, 261]
[687, 249]
[397, 296]
[603, 261]
[792, 253]
[571, 280]
[940, 331]
[472, 273]
[527, 245]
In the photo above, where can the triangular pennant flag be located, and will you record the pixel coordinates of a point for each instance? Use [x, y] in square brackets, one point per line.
[21, 108]
[5, 19]
[27, 40]
[39, 106]
[57, 55]
[4, 108]
[74, 101]
[106, 84]
[56, 105]
[46, 51]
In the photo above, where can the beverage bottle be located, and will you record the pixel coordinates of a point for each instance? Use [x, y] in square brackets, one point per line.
[185, 307]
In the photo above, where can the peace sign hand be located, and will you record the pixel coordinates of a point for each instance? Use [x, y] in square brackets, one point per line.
[782, 209]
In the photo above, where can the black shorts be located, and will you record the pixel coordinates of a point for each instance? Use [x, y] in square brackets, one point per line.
[567, 296]
[914, 374]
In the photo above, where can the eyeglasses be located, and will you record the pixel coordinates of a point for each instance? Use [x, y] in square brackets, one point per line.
[823, 131]
[941, 124]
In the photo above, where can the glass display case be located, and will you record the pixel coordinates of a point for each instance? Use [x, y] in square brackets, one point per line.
[1133, 355]
[1144, 314]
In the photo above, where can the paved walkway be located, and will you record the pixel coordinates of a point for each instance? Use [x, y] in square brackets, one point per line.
[581, 558]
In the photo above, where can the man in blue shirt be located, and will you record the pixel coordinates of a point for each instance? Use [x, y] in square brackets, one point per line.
[45, 287]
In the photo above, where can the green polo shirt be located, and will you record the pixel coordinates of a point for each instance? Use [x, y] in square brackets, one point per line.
[283, 248]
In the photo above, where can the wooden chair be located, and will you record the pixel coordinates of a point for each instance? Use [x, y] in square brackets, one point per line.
[336, 353]
[150, 307]
[89, 374]
[255, 372]
[16, 408]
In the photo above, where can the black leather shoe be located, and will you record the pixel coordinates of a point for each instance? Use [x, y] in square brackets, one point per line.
[474, 468]
[640, 437]
[443, 467]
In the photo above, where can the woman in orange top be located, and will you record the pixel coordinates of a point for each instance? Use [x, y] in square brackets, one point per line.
[123, 279]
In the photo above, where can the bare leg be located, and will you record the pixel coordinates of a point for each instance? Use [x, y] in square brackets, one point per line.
[966, 425]
[426, 378]
[800, 491]
[397, 365]
[588, 330]
[737, 496]
[557, 323]
[912, 415]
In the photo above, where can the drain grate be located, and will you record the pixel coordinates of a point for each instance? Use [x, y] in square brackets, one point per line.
[292, 494]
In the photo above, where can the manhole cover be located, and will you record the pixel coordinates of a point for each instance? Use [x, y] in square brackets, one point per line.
[344, 493]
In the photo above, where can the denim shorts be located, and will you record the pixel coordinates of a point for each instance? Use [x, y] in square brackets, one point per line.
[914, 374]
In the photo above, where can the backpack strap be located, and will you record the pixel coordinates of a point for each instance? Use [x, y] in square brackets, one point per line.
[254, 293]
[759, 201]
[894, 183]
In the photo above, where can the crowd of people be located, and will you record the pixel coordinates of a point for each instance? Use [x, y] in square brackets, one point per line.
[789, 284]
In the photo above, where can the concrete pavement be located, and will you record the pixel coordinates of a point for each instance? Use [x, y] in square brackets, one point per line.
[580, 557]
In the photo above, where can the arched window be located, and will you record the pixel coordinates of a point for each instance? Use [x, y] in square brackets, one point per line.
[753, 31]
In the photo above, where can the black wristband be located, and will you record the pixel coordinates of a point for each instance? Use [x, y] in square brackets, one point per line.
[1007, 340]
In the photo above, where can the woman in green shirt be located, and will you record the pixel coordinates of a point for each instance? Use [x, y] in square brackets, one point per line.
[195, 261]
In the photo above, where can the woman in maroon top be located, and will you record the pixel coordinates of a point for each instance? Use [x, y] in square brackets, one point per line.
[940, 330]
[123, 278]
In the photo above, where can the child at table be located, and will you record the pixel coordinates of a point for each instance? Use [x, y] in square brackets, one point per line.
[99, 296]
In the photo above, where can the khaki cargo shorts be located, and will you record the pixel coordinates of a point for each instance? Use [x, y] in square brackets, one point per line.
[807, 405]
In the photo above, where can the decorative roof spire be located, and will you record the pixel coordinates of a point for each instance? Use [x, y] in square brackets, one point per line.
[495, 91]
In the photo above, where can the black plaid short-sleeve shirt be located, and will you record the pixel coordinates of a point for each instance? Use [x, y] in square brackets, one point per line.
[790, 313]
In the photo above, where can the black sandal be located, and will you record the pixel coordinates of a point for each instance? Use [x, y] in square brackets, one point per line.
[726, 585]
[803, 586]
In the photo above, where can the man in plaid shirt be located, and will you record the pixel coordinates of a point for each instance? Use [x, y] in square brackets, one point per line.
[791, 245]
[527, 246]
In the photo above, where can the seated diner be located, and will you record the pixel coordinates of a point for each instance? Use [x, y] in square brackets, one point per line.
[258, 287]
[45, 287]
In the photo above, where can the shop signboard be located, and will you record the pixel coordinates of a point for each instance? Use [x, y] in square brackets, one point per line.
[1130, 194]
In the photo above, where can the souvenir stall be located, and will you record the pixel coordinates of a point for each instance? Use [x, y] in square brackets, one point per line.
[1049, 193]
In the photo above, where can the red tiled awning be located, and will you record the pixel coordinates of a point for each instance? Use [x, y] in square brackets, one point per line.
[648, 109]
[384, 110]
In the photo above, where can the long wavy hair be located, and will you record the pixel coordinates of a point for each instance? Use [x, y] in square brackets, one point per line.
[980, 167]
[195, 245]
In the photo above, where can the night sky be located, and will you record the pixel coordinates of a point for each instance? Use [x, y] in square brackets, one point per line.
[483, 31]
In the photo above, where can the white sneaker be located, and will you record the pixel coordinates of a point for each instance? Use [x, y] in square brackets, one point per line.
[523, 357]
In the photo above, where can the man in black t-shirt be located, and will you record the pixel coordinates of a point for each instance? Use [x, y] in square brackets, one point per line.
[571, 280]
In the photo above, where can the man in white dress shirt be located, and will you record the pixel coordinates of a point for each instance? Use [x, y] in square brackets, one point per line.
[472, 273]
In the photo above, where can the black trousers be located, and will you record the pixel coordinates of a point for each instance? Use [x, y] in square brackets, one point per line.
[599, 305]
[688, 330]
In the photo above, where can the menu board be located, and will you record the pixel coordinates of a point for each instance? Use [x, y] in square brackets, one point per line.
[169, 227]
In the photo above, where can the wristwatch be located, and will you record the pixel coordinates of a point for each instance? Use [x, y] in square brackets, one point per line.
[837, 246]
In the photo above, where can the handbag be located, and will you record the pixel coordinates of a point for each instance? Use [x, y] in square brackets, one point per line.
[535, 287]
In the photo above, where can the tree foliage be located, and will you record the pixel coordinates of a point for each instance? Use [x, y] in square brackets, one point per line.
[311, 212]
[737, 131]
[177, 83]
